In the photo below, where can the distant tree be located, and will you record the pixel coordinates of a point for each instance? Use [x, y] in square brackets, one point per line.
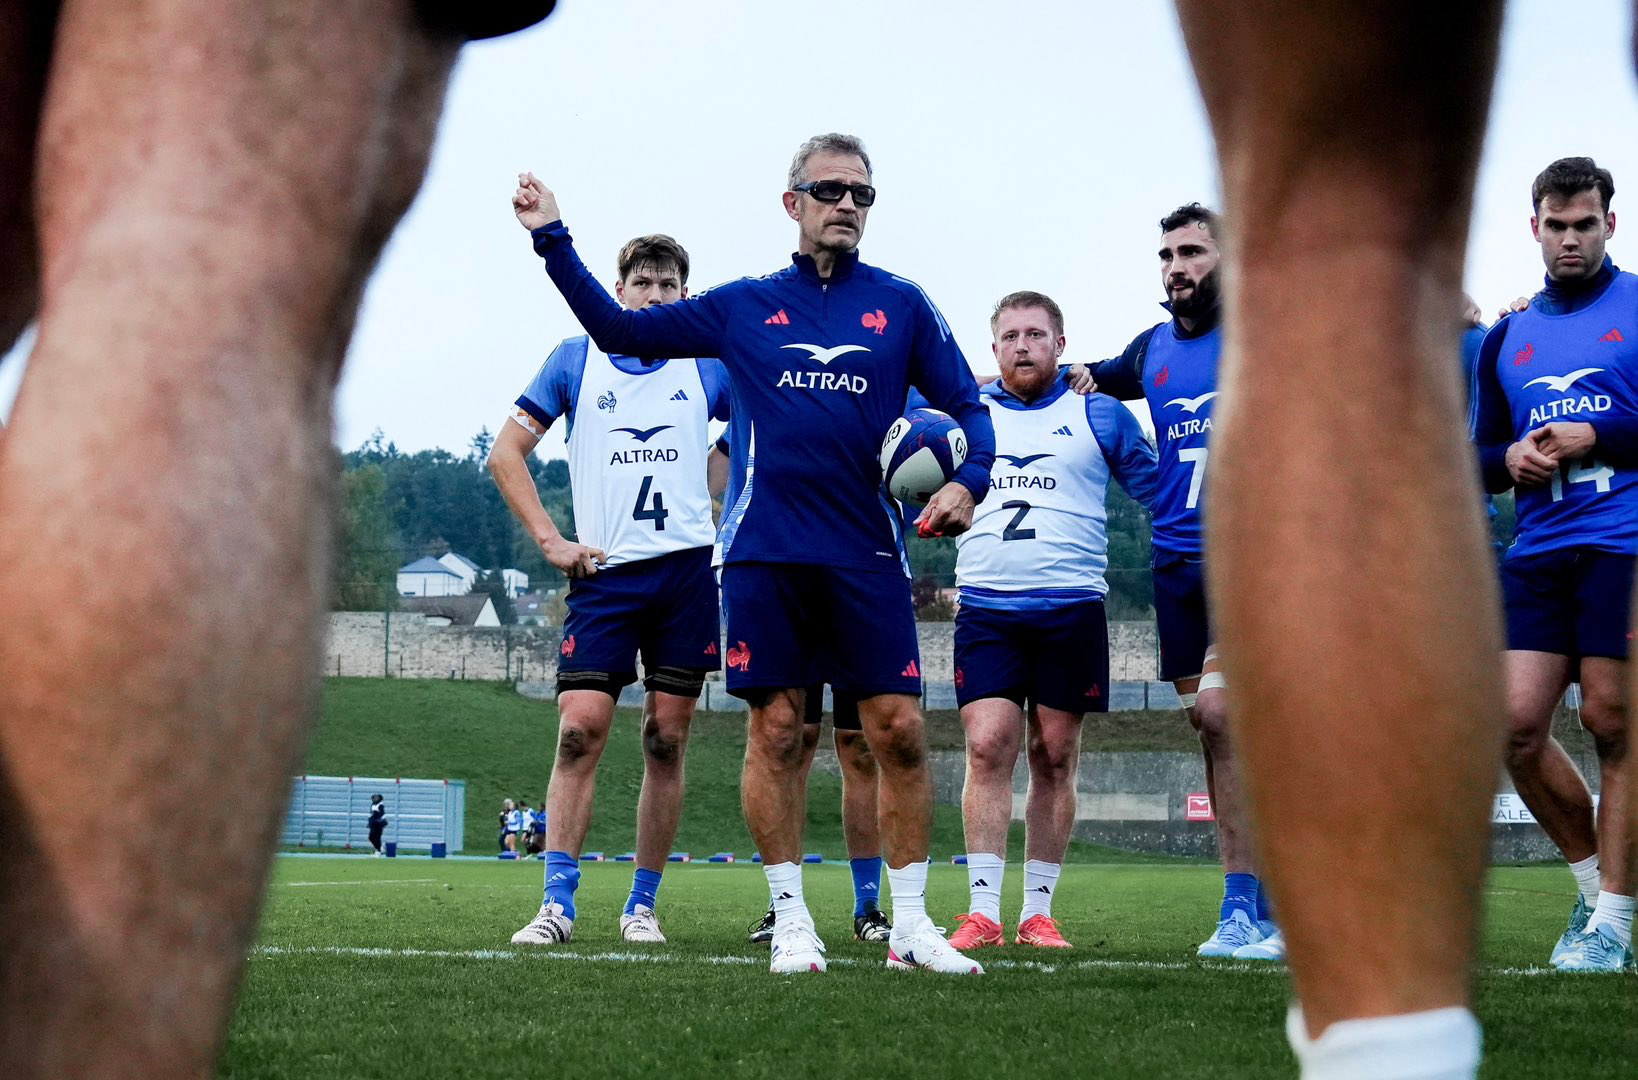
[491, 582]
[367, 558]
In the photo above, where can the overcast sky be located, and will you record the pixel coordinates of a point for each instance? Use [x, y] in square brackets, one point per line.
[1033, 145]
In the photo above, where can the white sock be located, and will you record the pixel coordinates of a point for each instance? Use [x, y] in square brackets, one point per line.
[1040, 879]
[1439, 1044]
[1586, 877]
[908, 884]
[1615, 912]
[785, 889]
[984, 873]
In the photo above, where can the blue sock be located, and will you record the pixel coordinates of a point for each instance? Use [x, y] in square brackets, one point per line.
[562, 879]
[867, 884]
[1265, 904]
[644, 886]
[1239, 894]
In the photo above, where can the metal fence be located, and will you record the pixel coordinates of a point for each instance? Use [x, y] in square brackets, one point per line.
[334, 811]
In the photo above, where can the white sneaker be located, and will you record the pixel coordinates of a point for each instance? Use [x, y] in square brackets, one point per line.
[549, 927]
[641, 925]
[796, 948]
[1271, 947]
[925, 949]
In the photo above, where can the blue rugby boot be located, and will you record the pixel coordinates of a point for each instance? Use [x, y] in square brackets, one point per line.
[1578, 926]
[1232, 933]
[1599, 950]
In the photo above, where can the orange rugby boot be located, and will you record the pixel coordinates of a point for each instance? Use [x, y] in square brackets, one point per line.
[1041, 931]
[975, 932]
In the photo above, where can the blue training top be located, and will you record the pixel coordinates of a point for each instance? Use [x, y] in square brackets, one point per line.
[1176, 372]
[820, 368]
[1572, 356]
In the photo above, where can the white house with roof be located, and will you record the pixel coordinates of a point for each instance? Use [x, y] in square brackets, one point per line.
[476, 610]
[427, 576]
[462, 566]
[452, 574]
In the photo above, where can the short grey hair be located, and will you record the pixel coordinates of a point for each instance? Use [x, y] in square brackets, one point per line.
[833, 143]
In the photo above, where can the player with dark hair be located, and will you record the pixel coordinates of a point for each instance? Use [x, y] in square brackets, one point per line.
[815, 580]
[1173, 365]
[1556, 419]
[640, 576]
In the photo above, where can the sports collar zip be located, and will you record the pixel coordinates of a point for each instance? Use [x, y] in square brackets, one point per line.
[840, 270]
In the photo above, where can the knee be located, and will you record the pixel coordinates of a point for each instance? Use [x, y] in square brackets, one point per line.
[854, 754]
[1051, 761]
[896, 739]
[1210, 717]
[1527, 735]
[578, 741]
[663, 742]
[777, 735]
[1605, 718]
[991, 756]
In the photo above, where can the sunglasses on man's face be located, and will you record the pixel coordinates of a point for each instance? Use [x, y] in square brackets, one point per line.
[831, 191]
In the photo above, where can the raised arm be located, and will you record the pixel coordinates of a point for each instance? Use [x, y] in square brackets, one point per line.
[687, 328]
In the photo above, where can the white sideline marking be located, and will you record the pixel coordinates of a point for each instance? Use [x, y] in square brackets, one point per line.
[612, 957]
[384, 881]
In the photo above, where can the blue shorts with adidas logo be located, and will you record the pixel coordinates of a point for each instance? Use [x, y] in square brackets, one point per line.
[664, 608]
[797, 624]
[1057, 657]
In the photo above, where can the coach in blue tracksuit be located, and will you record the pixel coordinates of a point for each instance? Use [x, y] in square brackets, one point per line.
[816, 587]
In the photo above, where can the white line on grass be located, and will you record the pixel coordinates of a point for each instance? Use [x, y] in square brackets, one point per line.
[384, 881]
[612, 957]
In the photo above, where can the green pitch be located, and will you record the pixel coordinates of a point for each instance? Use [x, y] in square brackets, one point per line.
[401, 968]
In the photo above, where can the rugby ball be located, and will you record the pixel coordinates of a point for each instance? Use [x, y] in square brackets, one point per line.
[920, 453]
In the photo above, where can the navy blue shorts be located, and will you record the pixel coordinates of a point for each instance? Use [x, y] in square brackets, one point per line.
[796, 624]
[844, 709]
[1573, 602]
[1058, 657]
[664, 608]
[1181, 615]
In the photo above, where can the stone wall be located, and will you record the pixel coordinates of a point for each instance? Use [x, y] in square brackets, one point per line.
[402, 645]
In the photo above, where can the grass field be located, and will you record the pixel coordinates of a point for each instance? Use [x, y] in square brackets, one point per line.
[501, 745]
[401, 968]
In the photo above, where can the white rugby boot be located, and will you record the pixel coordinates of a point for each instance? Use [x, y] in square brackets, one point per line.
[549, 927]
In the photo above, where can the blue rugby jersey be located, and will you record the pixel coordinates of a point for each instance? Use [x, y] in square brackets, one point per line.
[1176, 372]
[1572, 356]
[819, 369]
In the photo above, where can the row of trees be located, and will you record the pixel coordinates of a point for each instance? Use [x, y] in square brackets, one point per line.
[396, 507]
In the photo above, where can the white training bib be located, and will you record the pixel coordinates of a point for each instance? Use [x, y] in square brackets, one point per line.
[1042, 525]
[637, 453]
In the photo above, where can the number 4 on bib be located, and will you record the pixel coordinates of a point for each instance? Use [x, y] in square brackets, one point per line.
[657, 513]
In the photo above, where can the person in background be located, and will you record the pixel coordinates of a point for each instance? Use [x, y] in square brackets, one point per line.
[378, 822]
